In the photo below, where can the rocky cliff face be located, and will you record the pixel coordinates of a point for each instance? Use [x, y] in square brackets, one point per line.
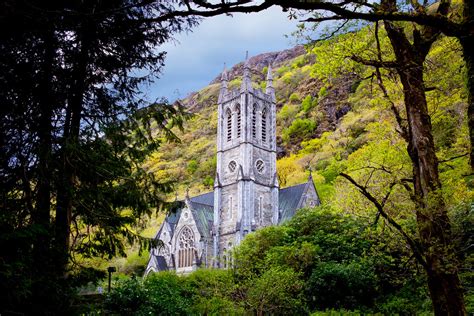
[257, 63]
[289, 80]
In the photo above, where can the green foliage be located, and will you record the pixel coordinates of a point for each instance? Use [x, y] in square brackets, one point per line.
[277, 290]
[128, 297]
[350, 285]
[308, 104]
[212, 292]
[333, 256]
[192, 166]
[322, 92]
[162, 293]
[294, 97]
[298, 130]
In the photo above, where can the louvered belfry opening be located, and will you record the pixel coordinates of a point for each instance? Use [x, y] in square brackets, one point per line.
[264, 125]
[254, 121]
[229, 125]
[239, 120]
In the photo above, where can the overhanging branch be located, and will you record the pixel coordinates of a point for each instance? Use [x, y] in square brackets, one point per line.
[380, 208]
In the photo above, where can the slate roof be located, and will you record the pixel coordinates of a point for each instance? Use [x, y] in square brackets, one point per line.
[172, 219]
[161, 263]
[203, 206]
[203, 216]
[288, 200]
[157, 262]
[206, 198]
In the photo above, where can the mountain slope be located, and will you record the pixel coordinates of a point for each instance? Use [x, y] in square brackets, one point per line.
[192, 162]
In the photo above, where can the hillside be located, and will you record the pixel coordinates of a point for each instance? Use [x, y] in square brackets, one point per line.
[299, 95]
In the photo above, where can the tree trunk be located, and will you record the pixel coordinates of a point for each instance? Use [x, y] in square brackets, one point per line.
[69, 147]
[467, 43]
[41, 269]
[432, 219]
[468, 52]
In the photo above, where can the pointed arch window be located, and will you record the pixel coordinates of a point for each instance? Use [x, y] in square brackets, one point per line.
[228, 115]
[264, 125]
[254, 121]
[224, 258]
[239, 120]
[230, 259]
[185, 248]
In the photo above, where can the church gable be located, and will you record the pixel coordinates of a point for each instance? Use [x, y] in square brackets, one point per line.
[160, 256]
[310, 196]
[185, 241]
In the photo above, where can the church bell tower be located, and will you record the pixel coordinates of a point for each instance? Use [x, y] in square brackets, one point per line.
[246, 185]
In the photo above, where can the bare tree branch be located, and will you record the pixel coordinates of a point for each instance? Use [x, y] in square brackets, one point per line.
[380, 208]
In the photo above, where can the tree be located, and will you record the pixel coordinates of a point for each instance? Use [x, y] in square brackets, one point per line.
[74, 133]
[435, 249]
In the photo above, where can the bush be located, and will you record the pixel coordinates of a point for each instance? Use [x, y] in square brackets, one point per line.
[128, 297]
[161, 293]
[212, 291]
[342, 285]
[298, 130]
[294, 97]
[277, 291]
[308, 104]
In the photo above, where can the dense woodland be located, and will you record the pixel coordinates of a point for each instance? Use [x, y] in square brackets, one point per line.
[379, 113]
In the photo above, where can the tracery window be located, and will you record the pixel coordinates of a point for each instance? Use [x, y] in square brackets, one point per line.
[232, 166]
[239, 120]
[229, 124]
[264, 125]
[186, 248]
[260, 165]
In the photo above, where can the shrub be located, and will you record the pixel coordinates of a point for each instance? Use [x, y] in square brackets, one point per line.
[342, 285]
[294, 97]
[161, 293]
[277, 291]
[299, 129]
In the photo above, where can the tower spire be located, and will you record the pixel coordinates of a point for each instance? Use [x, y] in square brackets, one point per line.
[270, 90]
[246, 82]
[223, 90]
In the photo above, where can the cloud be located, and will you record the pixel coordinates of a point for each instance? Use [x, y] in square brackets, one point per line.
[199, 56]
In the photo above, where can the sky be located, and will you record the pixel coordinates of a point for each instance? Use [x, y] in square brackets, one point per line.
[199, 56]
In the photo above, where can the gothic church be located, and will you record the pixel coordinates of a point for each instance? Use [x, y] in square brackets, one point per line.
[246, 191]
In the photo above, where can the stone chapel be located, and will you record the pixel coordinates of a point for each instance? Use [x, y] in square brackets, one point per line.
[246, 193]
